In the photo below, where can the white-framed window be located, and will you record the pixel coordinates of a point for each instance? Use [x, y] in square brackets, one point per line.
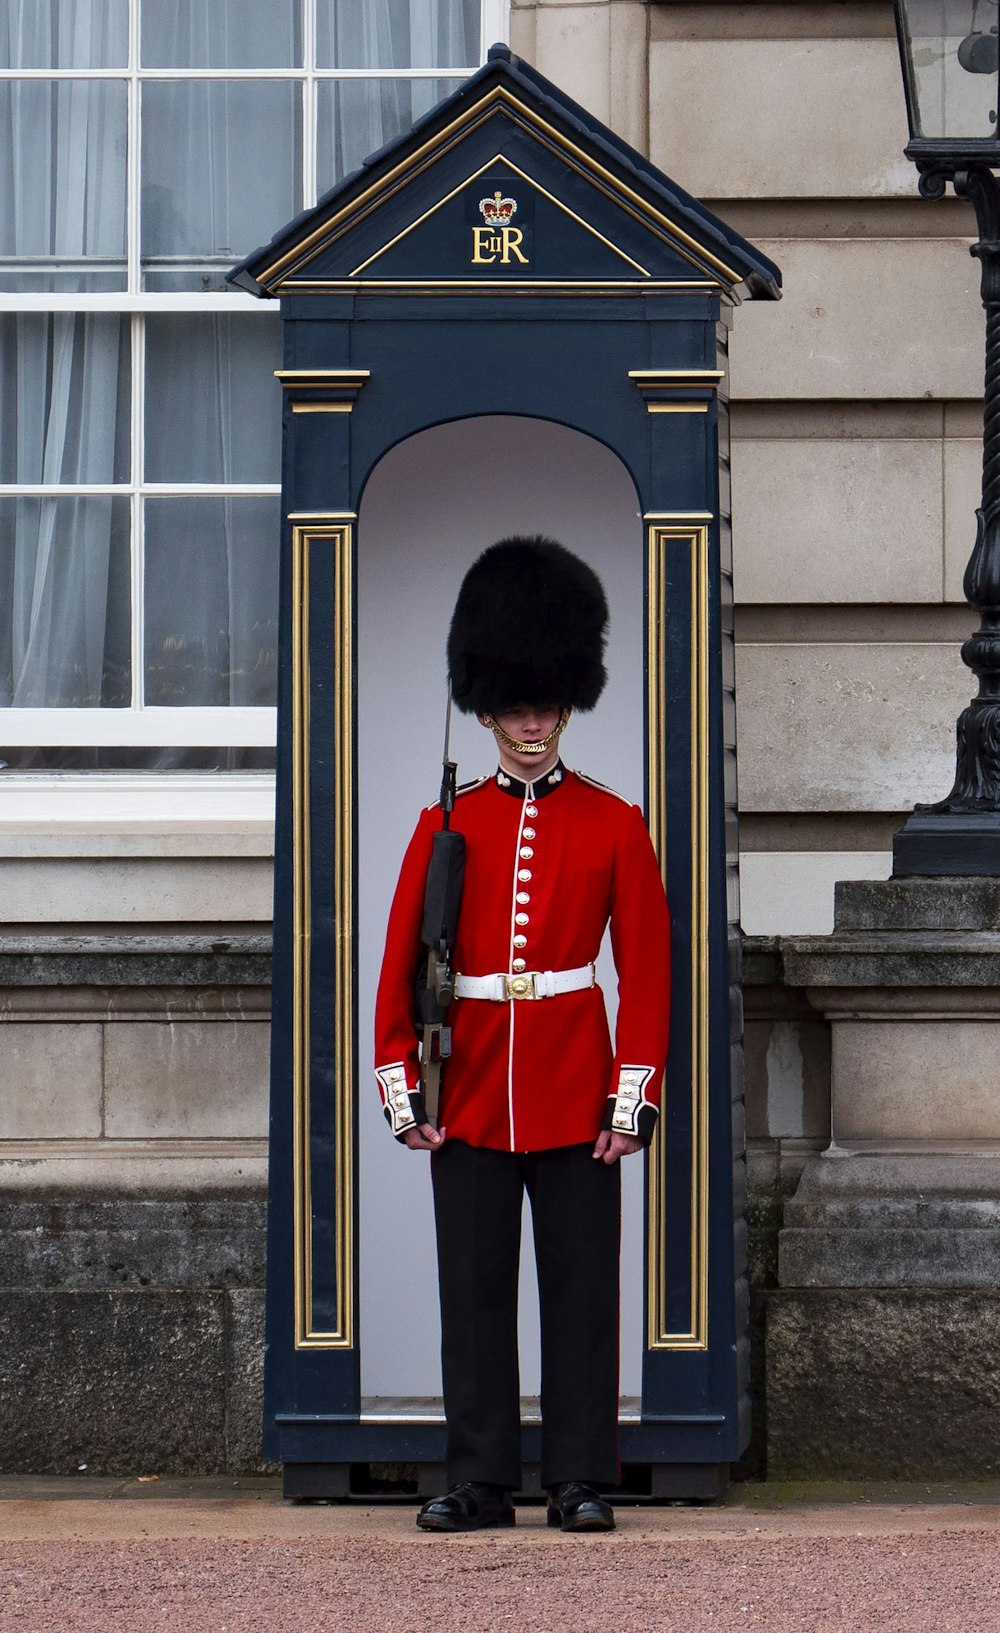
[146, 146]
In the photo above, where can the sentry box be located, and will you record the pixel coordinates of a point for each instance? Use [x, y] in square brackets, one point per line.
[506, 321]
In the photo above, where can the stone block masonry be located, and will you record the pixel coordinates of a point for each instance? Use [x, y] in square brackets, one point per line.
[131, 1336]
[886, 1383]
[132, 1202]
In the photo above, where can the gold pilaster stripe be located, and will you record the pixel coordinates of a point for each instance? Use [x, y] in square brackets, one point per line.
[301, 937]
[338, 538]
[692, 533]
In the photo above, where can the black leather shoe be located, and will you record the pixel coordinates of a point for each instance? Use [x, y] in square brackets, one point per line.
[470, 1506]
[576, 1507]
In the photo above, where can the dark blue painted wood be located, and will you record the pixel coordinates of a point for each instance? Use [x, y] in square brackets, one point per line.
[435, 357]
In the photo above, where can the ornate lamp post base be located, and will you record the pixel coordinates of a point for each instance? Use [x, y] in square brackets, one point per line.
[961, 834]
[952, 844]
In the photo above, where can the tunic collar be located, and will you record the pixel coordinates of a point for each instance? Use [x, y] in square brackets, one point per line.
[524, 788]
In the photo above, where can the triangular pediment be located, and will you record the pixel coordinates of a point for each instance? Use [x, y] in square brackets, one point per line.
[507, 183]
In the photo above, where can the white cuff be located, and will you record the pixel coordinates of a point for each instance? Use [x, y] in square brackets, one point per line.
[629, 1100]
[396, 1096]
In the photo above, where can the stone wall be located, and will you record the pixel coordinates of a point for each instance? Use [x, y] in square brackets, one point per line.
[875, 1186]
[131, 1281]
[132, 1202]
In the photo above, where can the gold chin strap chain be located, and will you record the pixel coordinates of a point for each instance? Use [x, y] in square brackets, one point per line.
[527, 748]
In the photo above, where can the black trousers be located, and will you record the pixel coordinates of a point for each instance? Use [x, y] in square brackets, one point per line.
[576, 1220]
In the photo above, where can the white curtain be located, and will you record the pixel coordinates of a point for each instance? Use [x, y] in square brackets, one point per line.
[391, 34]
[221, 160]
[59, 422]
[62, 154]
[64, 34]
[357, 117]
[62, 226]
[211, 601]
[211, 562]
[220, 171]
[221, 34]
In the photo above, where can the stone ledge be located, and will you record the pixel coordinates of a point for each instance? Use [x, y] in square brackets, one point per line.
[762, 961]
[209, 1242]
[893, 958]
[891, 933]
[140, 1003]
[132, 1169]
[921, 1220]
[918, 904]
[883, 1256]
[148, 960]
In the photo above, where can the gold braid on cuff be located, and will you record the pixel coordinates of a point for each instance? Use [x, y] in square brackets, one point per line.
[527, 748]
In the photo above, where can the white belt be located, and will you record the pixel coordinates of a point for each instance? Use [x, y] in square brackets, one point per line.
[498, 989]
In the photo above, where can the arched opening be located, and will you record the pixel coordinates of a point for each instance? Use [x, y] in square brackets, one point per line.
[431, 504]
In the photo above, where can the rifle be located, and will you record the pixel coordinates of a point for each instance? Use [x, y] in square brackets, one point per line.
[442, 899]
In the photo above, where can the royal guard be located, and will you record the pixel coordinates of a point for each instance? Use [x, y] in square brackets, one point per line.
[533, 1096]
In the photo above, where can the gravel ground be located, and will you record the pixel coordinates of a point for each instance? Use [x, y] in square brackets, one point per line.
[228, 1567]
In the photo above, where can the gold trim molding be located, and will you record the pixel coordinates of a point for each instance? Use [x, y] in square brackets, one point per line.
[677, 391]
[279, 275]
[491, 164]
[322, 391]
[338, 539]
[322, 516]
[677, 377]
[690, 533]
[492, 286]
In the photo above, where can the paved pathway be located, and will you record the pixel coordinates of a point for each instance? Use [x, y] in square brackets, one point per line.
[227, 1557]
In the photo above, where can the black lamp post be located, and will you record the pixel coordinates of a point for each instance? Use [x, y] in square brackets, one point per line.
[950, 56]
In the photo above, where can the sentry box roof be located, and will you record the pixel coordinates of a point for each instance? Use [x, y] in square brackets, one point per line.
[508, 186]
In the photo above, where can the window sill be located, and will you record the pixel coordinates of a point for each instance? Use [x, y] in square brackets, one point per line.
[136, 814]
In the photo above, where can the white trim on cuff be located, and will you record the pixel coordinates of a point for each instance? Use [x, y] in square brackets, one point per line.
[629, 1101]
[396, 1096]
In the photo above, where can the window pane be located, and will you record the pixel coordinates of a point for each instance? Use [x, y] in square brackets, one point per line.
[211, 601]
[63, 34]
[213, 410]
[356, 117]
[64, 397]
[65, 597]
[220, 34]
[62, 185]
[220, 174]
[397, 33]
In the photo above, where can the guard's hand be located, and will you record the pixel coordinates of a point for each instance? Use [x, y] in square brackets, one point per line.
[424, 1137]
[611, 1146]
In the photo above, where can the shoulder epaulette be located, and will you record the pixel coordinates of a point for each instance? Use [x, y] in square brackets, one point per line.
[601, 787]
[463, 788]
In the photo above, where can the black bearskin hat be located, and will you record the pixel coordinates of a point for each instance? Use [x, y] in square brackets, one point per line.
[528, 627]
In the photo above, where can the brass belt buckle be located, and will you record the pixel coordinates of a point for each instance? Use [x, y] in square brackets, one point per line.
[519, 986]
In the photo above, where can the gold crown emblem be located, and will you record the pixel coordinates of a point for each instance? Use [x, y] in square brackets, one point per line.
[497, 211]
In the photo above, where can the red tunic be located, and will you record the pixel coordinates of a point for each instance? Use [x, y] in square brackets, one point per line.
[548, 864]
